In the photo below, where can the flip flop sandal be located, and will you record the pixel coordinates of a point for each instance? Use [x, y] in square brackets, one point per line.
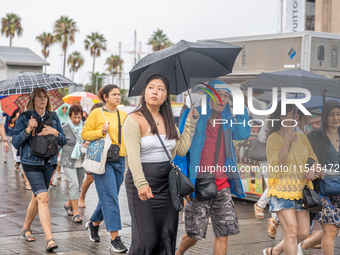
[271, 229]
[28, 238]
[52, 246]
[265, 251]
[69, 213]
[81, 205]
[79, 220]
[258, 212]
[28, 187]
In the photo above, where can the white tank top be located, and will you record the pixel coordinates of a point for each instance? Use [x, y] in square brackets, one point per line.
[151, 150]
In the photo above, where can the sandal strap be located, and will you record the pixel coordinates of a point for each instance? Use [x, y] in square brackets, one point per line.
[26, 230]
[49, 240]
[76, 216]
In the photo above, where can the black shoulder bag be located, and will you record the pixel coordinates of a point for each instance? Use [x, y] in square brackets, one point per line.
[43, 146]
[113, 152]
[179, 184]
[206, 187]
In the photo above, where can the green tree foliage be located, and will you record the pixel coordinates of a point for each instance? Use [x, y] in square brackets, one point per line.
[95, 42]
[11, 25]
[159, 40]
[75, 61]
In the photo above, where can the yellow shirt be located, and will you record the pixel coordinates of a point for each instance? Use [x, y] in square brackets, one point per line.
[92, 129]
[289, 182]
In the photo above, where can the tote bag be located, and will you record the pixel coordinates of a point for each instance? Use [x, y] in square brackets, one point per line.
[96, 154]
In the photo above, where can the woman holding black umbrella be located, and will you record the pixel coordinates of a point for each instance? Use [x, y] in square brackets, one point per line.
[154, 219]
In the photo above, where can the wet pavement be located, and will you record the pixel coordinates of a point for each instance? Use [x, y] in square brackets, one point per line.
[73, 239]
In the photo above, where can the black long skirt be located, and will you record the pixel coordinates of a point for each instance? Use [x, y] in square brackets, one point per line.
[154, 222]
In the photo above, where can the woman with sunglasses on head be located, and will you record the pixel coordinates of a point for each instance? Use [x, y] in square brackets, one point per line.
[153, 218]
[102, 121]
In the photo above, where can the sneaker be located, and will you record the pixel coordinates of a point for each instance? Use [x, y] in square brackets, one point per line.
[94, 237]
[301, 251]
[58, 176]
[117, 245]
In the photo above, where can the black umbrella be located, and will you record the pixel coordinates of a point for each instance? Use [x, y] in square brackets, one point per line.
[316, 84]
[183, 61]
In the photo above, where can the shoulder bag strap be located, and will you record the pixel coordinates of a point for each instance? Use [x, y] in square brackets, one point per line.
[103, 115]
[218, 145]
[165, 149]
[119, 130]
[51, 114]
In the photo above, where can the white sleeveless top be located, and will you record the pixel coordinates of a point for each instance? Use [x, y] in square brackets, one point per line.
[151, 149]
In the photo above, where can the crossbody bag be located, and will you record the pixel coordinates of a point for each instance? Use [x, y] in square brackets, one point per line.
[206, 187]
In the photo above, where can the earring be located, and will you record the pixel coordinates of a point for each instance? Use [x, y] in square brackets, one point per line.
[166, 103]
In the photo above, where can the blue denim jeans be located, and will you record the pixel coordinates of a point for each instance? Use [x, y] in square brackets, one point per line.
[108, 186]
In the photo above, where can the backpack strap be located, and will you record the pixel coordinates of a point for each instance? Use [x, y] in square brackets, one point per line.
[50, 116]
[27, 114]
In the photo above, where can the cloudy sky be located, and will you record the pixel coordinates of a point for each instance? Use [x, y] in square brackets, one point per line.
[179, 19]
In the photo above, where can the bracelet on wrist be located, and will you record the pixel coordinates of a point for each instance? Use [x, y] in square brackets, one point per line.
[5, 141]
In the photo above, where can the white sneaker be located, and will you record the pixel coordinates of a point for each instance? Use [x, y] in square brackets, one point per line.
[301, 251]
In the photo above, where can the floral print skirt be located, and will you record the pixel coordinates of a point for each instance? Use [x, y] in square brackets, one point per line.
[330, 213]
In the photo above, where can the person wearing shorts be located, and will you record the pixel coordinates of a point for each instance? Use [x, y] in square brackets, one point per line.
[202, 153]
[288, 152]
[38, 170]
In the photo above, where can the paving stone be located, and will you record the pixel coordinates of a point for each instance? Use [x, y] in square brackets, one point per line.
[73, 239]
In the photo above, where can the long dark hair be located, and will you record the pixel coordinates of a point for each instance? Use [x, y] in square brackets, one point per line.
[274, 126]
[165, 110]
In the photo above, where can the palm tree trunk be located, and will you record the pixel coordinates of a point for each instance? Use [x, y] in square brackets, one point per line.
[93, 85]
[10, 40]
[64, 62]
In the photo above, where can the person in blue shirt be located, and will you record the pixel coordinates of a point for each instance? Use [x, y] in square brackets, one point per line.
[201, 158]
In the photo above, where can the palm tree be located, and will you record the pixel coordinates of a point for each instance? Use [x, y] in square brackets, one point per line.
[95, 42]
[10, 25]
[159, 41]
[64, 30]
[114, 63]
[46, 40]
[75, 60]
[95, 77]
